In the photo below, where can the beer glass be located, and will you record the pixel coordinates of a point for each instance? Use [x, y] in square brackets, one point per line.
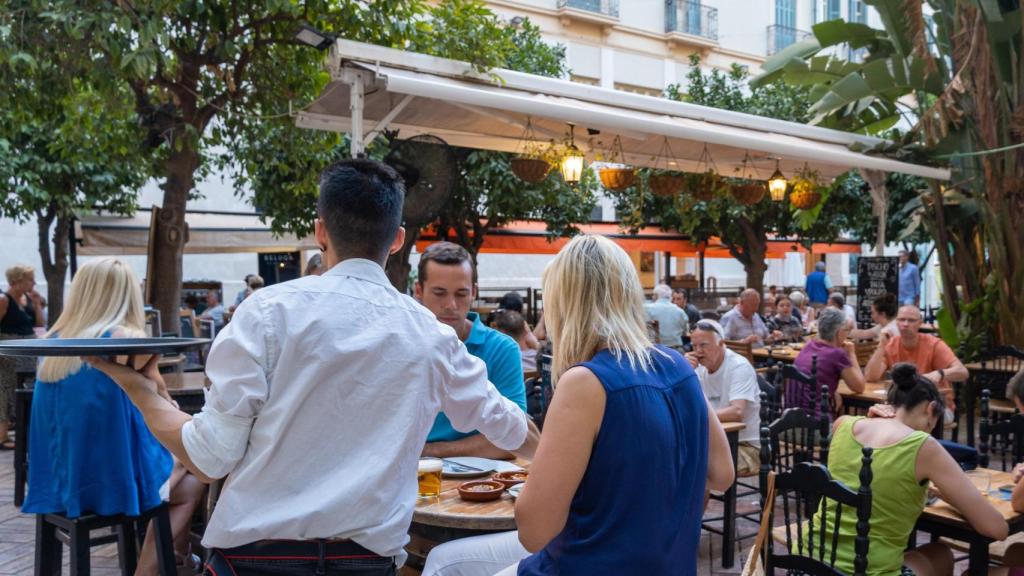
[428, 475]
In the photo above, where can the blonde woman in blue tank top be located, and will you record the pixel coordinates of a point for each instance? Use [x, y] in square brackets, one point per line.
[905, 459]
[629, 447]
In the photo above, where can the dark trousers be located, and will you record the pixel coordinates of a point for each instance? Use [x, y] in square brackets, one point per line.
[966, 456]
[299, 557]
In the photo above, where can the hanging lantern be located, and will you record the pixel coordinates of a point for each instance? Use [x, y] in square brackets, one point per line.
[572, 161]
[777, 184]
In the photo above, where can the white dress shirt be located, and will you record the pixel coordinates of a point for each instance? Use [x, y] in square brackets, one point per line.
[322, 392]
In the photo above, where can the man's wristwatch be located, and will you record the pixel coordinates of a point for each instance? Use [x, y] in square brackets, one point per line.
[942, 374]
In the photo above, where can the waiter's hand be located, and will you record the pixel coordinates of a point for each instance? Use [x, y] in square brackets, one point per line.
[882, 411]
[130, 379]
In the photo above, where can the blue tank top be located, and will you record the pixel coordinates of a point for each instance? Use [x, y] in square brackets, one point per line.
[638, 507]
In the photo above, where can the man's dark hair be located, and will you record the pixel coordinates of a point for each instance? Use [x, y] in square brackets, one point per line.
[510, 322]
[511, 301]
[446, 254]
[683, 292]
[361, 206]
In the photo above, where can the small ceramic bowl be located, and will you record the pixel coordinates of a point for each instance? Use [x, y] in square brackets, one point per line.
[510, 478]
[481, 490]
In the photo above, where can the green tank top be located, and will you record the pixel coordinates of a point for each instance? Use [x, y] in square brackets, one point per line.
[897, 499]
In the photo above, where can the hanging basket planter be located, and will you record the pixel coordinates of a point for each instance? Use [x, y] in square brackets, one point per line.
[530, 170]
[805, 194]
[749, 193]
[705, 186]
[617, 178]
[667, 184]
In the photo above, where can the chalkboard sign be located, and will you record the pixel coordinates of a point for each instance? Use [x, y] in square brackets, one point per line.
[876, 275]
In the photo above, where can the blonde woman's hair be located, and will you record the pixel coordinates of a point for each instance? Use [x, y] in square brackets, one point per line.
[104, 297]
[593, 300]
[19, 272]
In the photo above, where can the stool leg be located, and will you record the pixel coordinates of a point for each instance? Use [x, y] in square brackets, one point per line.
[79, 550]
[49, 551]
[164, 540]
[127, 547]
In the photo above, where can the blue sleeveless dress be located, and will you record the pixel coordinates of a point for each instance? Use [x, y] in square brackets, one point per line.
[639, 505]
[90, 450]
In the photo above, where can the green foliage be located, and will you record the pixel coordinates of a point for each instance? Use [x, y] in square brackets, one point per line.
[744, 230]
[66, 143]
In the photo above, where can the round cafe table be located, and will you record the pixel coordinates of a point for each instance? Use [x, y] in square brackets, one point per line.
[448, 517]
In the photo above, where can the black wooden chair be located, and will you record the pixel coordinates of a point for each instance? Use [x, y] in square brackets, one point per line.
[539, 391]
[998, 365]
[810, 546]
[770, 384]
[798, 436]
[794, 383]
[1009, 431]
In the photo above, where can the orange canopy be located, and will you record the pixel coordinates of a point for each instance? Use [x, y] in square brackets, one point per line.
[530, 237]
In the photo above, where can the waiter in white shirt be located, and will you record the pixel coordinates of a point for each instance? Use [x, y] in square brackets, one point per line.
[322, 392]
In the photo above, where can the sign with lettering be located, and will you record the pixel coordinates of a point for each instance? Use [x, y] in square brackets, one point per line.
[876, 275]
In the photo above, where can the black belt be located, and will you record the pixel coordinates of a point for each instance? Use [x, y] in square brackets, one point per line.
[298, 550]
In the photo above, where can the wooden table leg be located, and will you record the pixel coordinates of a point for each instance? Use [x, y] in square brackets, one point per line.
[729, 504]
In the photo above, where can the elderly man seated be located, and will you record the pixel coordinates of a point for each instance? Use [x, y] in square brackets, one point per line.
[673, 323]
[743, 323]
[934, 359]
[730, 385]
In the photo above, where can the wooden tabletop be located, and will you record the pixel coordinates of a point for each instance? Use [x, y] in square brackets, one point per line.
[450, 511]
[873, 391]
[185, 382]
[734, 426]
[783, 353]
[943, 511]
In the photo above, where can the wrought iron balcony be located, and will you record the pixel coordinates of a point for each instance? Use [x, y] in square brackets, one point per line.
[692, 18]
[780, 37]
[605, 8]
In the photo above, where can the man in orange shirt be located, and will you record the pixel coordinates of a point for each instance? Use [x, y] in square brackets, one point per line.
[933, 357]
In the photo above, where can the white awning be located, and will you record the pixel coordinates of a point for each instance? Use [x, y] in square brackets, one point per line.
[208, 233]
[419, 94]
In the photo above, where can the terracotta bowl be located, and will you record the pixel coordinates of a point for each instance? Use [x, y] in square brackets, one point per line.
[481, 490]
[510, 478]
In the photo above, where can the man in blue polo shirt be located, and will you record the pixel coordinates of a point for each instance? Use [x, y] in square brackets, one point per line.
[446, 285]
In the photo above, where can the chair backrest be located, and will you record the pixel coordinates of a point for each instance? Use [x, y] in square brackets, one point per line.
[771, 394]
[797, 436]
[153, 327]
[189, 325]
[207, 329]
[654, 331]
[539, 391]
[794, 383]
[745, 349]
[998, 365]
[811, 545]
[1009, 431]
[864, 350]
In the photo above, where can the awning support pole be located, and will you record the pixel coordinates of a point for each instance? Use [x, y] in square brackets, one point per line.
[356, 80]
[702, 286]
[386, 120]
[668, 268]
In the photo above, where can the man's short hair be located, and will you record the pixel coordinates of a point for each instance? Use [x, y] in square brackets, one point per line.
[682, 292]
[511, 301]
[820, 266]
[662, 291]
[361, 206]
[837, 298]
[446, 254]
[511, 323]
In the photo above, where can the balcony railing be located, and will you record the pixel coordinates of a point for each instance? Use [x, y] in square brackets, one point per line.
[780, 37]
[608, 8]
[691, 18]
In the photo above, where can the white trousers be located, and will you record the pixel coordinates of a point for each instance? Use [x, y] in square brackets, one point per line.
[488, 555]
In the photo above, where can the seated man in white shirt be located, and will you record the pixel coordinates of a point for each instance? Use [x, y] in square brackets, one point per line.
[730, 384]
[322, 392]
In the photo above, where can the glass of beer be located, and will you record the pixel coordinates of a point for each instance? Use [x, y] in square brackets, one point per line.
[428, 475]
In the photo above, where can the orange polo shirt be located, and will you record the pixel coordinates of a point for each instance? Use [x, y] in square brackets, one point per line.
[930, 354]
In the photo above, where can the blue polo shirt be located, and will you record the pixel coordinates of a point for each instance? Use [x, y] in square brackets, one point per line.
[504, 369]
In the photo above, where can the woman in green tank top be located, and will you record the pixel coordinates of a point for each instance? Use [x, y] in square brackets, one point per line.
[905, 458]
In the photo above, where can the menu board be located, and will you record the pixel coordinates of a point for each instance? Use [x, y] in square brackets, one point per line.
[876, 275]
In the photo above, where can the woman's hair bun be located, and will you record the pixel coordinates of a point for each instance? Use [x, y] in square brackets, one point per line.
[904, 375]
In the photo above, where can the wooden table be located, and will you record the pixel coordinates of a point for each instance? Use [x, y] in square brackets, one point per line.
[728, 532]
[785, 354]
[448, 517]
[874, 392]
[943, 520]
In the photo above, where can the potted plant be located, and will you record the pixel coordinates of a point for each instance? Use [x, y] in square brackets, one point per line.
[806, 193]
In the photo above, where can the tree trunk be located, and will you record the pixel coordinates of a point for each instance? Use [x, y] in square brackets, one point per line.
[398, 267]
[55, 262]
[752, 253]
[172, 233]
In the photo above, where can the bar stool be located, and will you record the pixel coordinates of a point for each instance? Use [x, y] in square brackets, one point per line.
[53, 530]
